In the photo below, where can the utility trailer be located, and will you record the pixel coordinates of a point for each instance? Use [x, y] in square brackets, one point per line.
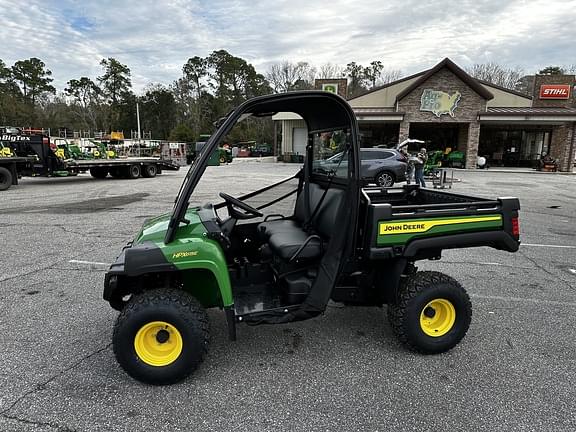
[34, 157]
[338, 241]
[122, 168]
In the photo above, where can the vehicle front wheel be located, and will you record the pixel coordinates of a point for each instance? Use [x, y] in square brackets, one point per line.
[431, 314]
[161, 336]
[385, 179]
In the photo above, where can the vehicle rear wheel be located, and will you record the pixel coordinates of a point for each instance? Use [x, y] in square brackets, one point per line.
[431, 314]
[149, 171]
[133, 171]
[161, 336]
[385, 179]
[222, 160]
[99, 172]
[5, 178]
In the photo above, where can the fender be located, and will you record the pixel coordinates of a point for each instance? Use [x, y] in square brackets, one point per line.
[148, 257]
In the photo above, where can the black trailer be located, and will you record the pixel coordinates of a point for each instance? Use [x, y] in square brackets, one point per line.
[131, 168]
[34, 157]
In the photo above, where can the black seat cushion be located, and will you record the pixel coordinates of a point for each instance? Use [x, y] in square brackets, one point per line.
[286, 236]
[268, 228]
[286, 244]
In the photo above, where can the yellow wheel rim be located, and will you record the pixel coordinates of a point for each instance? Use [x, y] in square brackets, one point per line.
[158, 343]
[437, 317]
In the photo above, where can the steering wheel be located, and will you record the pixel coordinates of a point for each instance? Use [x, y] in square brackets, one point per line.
[232, 203]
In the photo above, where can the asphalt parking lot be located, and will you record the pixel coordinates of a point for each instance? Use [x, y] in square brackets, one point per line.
[515, 370]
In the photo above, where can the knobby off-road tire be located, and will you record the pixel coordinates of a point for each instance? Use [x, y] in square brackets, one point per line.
[431, 314]
[5, 178]
[161, 336]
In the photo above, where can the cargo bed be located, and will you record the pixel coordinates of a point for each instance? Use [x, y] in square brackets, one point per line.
[419, 223]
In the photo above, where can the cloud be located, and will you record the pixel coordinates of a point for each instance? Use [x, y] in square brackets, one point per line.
[156, 38]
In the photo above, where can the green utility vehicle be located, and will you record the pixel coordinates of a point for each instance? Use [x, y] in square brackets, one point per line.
[338, 241]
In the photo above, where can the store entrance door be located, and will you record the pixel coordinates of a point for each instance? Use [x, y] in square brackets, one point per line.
[437, 136]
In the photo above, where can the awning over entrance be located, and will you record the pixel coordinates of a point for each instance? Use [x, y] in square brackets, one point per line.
[378, 115]
[533, 115]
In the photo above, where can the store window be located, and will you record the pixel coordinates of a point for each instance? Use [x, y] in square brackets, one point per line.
[514, 147]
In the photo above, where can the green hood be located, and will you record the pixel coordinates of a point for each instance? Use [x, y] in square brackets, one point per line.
[154, 229]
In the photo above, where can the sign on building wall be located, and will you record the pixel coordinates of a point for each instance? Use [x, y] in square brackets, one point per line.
[439, 102]
[330, 87]
[554, 91]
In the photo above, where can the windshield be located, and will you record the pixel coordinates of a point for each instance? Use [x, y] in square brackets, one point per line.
[329, 153]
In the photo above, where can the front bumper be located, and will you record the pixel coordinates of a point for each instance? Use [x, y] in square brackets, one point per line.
[133, 261]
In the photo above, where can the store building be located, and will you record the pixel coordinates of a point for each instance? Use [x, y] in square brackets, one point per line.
[447, 108]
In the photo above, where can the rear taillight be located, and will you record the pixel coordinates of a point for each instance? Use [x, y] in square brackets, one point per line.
[402, 158]
[515, 227]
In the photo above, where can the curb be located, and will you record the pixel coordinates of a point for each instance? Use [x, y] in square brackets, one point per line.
[496, 170]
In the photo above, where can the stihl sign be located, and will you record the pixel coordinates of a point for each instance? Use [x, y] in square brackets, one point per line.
[556, 91]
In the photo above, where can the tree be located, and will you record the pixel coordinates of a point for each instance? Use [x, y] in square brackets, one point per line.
[330, 70]
[390, 75]
[190, 94]
[182, 133]
[195, 71]
[287, 76]
[33, 78]
[356, 78]
[233, 81]
[525, 84]
[552, 70]
[158, 109]
[85, 96]
[497, 74]
[115, 81]
[117, 90]
[373, 72]
[5, 76]
[10, 97]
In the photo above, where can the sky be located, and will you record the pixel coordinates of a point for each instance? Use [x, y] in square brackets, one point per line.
[155, 38]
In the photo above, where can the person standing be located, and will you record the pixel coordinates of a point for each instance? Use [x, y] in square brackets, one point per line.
[419, 163]
[409, 164]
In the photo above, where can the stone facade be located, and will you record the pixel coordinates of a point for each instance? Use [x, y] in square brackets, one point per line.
[342, 85]
[562, 146]
[465, 114]
[540, 80]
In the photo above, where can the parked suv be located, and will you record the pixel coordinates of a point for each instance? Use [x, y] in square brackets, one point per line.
[381, 166]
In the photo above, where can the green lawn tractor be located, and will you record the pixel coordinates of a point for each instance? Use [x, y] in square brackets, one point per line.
[335, 241]
[434, 162]
[455, 159]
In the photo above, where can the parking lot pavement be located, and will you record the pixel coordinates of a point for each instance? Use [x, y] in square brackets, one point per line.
[342, 371]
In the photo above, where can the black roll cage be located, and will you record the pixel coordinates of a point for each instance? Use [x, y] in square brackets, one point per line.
[322, 111]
